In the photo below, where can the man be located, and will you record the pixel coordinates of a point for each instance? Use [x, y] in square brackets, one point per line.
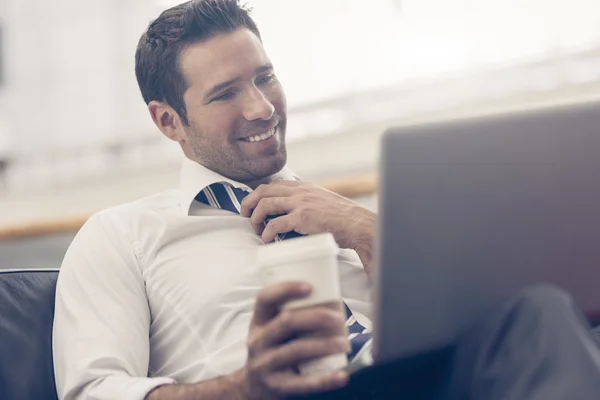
[161, 298]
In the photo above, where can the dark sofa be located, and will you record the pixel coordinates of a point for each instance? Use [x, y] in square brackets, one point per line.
[26, 314]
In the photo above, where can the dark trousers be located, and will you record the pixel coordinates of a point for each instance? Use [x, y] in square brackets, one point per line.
[537, 347]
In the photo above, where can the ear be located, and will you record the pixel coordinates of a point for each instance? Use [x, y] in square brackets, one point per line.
[166, 120]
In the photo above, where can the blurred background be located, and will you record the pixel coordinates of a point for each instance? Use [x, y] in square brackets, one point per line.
[75, 136]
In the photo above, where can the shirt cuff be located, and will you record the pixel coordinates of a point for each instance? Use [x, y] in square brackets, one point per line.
[140, 388]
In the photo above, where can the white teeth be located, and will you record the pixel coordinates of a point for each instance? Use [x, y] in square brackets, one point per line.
[261, 137]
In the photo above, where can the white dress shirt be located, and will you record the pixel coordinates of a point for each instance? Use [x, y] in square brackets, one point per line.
[162, 291]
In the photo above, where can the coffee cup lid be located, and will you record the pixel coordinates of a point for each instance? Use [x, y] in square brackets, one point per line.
[302, 247]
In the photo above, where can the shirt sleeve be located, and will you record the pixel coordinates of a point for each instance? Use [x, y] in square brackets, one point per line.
[101, 326]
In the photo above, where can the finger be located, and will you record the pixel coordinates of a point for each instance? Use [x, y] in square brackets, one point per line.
[290, 323]
[266, 207]
[278, 225]
[301, 385]
[263, 191]
[288, 183]
[299, 351]
[270, 299]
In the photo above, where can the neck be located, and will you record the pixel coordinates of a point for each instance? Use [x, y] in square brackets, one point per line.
[253, 183]
[256, 183]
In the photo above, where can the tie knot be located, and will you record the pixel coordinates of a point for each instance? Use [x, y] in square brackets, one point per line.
[227, 197]
[222, 195]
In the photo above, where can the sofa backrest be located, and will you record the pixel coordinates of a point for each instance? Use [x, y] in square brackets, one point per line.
[26, 315]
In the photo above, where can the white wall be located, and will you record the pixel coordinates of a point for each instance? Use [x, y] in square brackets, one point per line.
[70, 62]
[71, 98]
[70, 72]
[347, 153]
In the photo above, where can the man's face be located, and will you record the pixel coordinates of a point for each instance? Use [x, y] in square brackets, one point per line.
[236, 107]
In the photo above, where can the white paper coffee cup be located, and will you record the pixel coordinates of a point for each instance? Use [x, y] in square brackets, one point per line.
[311, 259]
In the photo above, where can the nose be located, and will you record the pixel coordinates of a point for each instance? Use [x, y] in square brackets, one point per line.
[257, 106]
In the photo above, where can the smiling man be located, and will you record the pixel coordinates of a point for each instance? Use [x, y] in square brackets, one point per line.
[164, 293]
[161, 298]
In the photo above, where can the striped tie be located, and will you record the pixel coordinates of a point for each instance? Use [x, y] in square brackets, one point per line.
[223, 195]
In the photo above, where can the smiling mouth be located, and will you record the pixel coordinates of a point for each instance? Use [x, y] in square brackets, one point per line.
[263, 136]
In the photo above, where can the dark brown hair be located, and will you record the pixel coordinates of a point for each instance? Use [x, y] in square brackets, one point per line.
[157, 56]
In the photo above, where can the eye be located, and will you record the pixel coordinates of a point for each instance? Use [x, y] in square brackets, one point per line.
[225, 96]
[263, 80]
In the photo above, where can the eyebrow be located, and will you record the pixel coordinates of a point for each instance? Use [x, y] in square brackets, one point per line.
[220, 86]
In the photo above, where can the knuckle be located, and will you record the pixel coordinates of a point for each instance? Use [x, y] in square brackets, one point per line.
[263, 205]
[253, 343]
[328, 317]
[257, 208]
[304, 197]
[261, 189]
[303, 212]
[274, 386]
[262, 298]
[253, 366]
[299, 350]
[337, 317]
[285, 320]
[256, 218]
[339, 343]
[274, 224]
[330, 383]
[307, 186]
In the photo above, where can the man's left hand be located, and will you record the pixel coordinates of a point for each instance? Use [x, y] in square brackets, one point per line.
[309, 209]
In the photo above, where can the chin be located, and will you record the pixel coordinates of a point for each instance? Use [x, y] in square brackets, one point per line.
[269, 167]
[274, 167]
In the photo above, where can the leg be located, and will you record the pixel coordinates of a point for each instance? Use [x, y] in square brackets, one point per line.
[538, 347]
[414, 378]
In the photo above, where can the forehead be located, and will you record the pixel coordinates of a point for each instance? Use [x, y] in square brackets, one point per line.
[221, 58]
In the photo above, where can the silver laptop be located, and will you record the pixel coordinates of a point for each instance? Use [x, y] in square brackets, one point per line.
[473, 210]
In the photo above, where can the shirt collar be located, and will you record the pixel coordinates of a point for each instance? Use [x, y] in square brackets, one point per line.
[195, 177]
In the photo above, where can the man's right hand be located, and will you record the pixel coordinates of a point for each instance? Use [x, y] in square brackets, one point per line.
[277, 344]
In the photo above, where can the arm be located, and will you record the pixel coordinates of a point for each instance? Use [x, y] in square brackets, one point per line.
[274, 348]
[222, 388]
[101, 325]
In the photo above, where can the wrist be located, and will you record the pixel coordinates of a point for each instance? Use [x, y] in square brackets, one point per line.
[240, 384]
[366, 257]
[362, 228]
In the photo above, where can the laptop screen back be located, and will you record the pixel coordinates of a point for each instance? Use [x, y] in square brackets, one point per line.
[473, 210]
